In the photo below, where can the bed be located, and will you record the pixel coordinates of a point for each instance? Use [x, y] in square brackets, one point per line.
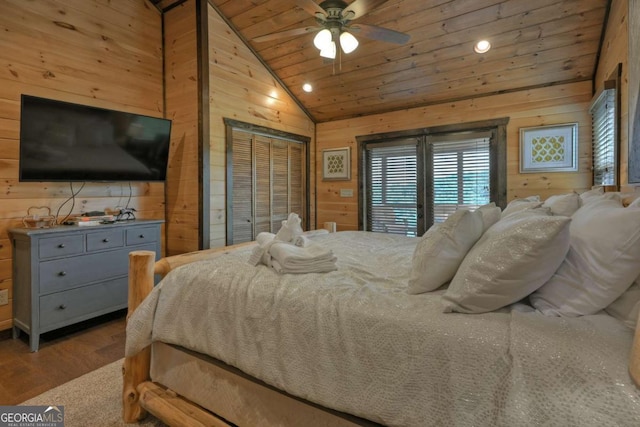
[219, 342]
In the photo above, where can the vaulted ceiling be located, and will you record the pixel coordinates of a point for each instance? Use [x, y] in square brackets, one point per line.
[534, 43]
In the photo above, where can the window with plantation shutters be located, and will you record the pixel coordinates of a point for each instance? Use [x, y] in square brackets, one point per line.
[413, 180]
[461, 173]
[392, 190]
[266, 180]
[603, 122]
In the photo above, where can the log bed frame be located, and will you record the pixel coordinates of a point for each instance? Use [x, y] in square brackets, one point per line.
[141, 395]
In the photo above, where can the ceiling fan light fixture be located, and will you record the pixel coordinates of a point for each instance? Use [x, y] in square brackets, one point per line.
[329, 51]
[348, 42]
[323, 39]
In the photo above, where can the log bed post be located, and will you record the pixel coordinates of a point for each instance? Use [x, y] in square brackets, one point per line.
[634, 359]
[136, 368]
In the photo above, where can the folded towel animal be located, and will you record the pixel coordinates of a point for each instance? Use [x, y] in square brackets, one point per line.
[296, 256]
[290, 229]
[264, 238]
[287, 258]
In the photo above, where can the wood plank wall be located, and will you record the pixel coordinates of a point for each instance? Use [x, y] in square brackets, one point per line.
[181, 88]
[615, 51]
[241, 88]
[101, 53]
[544, 106]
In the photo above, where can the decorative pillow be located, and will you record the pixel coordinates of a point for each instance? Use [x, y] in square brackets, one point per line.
[517, 205]
[635, 203]
[626, 307]
[440, 251]
[563, 204]
[490, 215]
[595, 191]
[597, 194]
[512, 259]
[603, 261]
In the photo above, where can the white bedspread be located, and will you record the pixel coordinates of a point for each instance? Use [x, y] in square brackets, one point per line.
[355, 341]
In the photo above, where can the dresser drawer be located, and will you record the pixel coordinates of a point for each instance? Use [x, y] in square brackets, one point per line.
[61, 274]
[50, 247]
[142, 235]
[68, 306]
[104, 240]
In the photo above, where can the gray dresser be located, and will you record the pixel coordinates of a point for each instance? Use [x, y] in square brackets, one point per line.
[68, 274]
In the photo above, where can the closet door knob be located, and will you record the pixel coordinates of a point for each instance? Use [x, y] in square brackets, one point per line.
[62, 273]
[105, 240]
[61, 245]
[62, 306]
[141, 236]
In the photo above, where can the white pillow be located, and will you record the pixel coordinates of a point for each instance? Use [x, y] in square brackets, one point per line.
[627, 306]
[518, 205]
[440, 251]
[596, 191]
[490, 215]
[599, 194]
[563, 204]
[635, 203]
[512, 259]
[603, 261]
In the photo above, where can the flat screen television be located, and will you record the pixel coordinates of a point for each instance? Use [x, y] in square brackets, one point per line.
[61, 141]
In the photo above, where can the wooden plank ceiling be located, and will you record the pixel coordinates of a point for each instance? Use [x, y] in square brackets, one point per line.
[534, 43]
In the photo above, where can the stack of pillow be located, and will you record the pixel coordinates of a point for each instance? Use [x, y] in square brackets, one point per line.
[571, 255]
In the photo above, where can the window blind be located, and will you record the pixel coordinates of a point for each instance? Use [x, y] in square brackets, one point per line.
[603, 116]
[461, 174]
[391, 174]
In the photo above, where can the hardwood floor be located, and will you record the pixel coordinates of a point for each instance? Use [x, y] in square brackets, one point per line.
[64, 354]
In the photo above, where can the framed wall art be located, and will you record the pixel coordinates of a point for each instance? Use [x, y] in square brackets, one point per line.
[336, 164]
[549, 148]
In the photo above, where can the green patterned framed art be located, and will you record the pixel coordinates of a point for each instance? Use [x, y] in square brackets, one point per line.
[336, 164]
[549, 148]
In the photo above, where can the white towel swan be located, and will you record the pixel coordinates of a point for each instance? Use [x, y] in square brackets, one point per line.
[291, 250]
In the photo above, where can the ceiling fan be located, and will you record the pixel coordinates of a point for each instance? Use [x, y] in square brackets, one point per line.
[334, 18]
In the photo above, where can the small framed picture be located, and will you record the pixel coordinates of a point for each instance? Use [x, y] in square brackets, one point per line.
[336, 164]
[549, 148]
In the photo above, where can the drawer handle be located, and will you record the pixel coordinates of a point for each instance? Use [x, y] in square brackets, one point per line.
[62, 306]
[62, 273]
[61, 245]
[141, 236]
[105, 240]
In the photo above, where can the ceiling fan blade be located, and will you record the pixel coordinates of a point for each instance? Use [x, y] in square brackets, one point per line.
[360, 7]
[287, 33]
[379, 33]
[312, 8]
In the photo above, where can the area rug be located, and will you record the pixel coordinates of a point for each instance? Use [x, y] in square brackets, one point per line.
[93, 399]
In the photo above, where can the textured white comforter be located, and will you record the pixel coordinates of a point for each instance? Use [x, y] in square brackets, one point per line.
[355, 341]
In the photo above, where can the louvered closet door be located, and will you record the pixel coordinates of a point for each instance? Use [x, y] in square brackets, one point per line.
[242, 188]
[296, 178]
[262, 173]
[280, 176]
[268, 184]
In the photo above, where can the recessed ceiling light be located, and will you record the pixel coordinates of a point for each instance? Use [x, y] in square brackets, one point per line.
[482, 46]
[307, 87]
